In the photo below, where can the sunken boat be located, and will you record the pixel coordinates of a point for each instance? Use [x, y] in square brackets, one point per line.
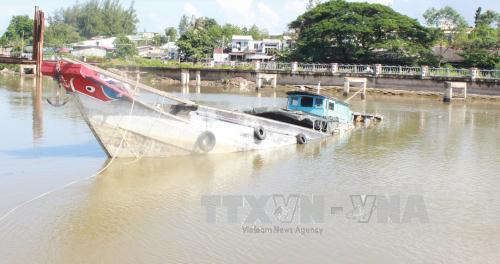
[130, 119]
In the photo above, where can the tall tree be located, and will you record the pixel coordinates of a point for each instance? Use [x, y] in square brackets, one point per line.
[444, 18]
[125, 48]
[340, 31]
[99, 18]
[59, 35]
[200, 39]
[184, 24]
[20, 29]
[171, 34]
[312, 3]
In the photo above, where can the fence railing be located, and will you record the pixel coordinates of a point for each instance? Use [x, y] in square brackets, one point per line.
[401, 70]
[362, 69]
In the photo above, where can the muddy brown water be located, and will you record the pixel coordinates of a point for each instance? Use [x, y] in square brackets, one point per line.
[436, 165]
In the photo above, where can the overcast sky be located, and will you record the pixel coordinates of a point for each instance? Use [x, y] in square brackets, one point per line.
[155, 15]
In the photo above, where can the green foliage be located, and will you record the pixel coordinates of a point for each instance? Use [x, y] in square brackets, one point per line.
[199, 36]
[340, 31]
[99, 18]
[125, 48]
[171, 34]
[58, 35]
[19, 31]
[435, 17]
[487, 18]
[480, 47]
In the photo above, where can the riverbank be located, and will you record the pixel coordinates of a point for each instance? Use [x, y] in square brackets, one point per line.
[246, 85]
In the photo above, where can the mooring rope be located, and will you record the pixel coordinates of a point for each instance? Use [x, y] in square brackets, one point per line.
[124, 134]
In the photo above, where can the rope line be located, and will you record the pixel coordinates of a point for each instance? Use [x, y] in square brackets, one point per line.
[124, 134]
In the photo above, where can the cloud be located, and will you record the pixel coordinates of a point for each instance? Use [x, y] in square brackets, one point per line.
[190, 9]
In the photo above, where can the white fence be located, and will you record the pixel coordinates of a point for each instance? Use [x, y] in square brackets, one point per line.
[362, 69]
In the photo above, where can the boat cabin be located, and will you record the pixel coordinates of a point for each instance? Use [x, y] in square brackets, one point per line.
[319, 105]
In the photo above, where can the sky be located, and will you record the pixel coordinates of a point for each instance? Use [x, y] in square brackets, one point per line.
[156, 15]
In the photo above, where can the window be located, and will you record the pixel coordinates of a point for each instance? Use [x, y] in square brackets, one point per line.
[306, 101]
[294, 101]
[318, 102]
[330, 106]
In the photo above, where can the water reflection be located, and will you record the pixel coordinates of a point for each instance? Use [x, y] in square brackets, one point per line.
[37, 98]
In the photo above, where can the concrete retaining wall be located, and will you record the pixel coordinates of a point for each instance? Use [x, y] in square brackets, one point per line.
[410, 83]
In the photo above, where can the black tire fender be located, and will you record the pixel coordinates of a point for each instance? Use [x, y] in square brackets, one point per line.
[260, 132]
[301, 139]
[206, 141]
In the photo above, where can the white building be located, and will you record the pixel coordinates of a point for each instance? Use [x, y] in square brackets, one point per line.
[95, 47]
[170, 51]
[246, 48]
[220, 56]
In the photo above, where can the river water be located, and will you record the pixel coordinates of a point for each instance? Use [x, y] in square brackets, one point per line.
[427, 180]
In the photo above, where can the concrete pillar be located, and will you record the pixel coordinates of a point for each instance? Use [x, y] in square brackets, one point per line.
[212, 64]
[275, 81]
[424, 71]
[363, 93]
[448, 92]
[334, 67]
[198, 78]
[378, 69]
[184, 77]
[258, 81]
[473, 73]
[346, 86]
[318, 88]
[295, 67]
[257, 65]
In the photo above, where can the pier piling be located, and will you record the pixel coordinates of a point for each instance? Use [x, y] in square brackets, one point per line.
[448, 92]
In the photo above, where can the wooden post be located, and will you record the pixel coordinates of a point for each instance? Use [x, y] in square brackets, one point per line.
[38, 32]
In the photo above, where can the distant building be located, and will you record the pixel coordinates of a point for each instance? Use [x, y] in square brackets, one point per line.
[170, 51]
[220, 56]
[245, 48]
[95, 47]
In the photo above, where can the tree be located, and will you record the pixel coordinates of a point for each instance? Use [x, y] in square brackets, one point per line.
[125, 48]
[487, 18]
[312, 3]
[171, 34]
[480, 47]
[184, 24]
[20, 30]
[340, 31]
[58, 35]
[200, 39]
[444, 18]
[99, 18]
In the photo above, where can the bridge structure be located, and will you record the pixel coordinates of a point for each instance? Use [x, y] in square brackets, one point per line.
[35, 63]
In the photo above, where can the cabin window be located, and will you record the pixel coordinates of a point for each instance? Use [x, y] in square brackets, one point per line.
[318, 102]
[306, 101]
[330, 106]
[294, 101]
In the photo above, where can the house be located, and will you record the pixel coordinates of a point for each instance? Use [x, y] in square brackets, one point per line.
[170, 51]
[95, 47]
[245, 48]
[220, 56]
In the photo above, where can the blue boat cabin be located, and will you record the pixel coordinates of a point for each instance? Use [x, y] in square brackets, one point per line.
[319, 105]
